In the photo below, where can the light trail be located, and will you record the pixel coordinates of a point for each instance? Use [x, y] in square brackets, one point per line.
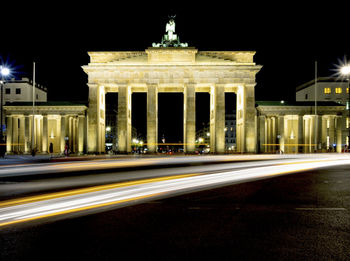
[143, 190]
[45, 168]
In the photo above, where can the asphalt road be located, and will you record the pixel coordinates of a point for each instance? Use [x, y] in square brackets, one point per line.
[301, 216]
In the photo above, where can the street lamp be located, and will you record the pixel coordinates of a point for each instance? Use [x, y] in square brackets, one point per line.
[4, 72]
[345, 71]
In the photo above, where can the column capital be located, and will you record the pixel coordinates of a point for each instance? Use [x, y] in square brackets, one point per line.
[92, 84]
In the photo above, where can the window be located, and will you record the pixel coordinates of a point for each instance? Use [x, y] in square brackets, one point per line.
[327, 90]
[18, 90]
[7, 91]
[347, 90]
[338, 90]
[306, 96]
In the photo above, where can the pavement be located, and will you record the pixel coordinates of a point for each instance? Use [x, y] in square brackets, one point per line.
[17, 159]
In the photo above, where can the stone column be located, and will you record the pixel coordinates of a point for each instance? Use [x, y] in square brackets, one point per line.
[307, 134]
[45, 135]
[93, 117]
[312, 133]
[124, 119]
[331, 131]
[189, 118]
[96, 118]
[39, 133]
[280, 132]
[324, 134]
[274, 125]
[318, 133]
[249, 115]
[339, 133]
[74, 134]
[300, 134]
[63, 133]
[262, 134]
[70, 133]
[268, 131]
[217, 119]
[15, 134]
[68, 130]
[27, 132]
[81, 127]
[152, 117]
[21, 134]
[9, 134]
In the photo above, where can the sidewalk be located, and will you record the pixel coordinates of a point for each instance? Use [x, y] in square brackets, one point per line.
[18, 159]
[40, 158]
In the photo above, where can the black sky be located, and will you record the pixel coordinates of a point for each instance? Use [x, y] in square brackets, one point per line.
[287, 36]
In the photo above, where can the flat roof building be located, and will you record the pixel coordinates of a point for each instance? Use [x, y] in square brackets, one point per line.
[328, 89]
[22, 91]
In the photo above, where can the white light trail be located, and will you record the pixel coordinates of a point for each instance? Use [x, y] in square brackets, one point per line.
[147, 190]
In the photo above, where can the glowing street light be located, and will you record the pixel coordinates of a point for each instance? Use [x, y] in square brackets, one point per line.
[345, 70]
[5, 71]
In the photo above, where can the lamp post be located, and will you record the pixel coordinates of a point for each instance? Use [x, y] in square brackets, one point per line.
[4, 72]
[345, 70]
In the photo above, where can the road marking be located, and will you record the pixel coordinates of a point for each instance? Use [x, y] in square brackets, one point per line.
[322, 209]
[302, 162]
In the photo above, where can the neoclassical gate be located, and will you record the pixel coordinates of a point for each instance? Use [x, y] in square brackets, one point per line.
[172, 69]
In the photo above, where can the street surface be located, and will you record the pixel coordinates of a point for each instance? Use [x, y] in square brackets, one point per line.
[261, 207]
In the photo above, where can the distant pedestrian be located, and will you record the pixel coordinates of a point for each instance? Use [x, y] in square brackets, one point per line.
[66, 150]
[51, 149]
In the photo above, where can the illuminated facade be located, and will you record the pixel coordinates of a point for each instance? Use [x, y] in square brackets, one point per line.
[172, 69]
[60, 123]
[294, 127]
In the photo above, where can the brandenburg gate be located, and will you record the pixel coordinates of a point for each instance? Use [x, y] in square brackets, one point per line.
[171, 66]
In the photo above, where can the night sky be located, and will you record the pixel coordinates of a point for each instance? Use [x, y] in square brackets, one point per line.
[287, 36]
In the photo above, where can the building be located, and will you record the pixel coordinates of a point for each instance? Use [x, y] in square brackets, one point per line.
[172, 67]
[328, 89]
[22, 91]
[266, 127]
[293, 127]
[60, 123]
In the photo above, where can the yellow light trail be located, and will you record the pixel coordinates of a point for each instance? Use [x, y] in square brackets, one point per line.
[77, 209]
[31, 199]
